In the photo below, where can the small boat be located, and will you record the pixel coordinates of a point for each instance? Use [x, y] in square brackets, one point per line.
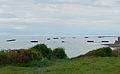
[85, 37]
[100, 37]
[34, 41]
[55, 38]
[90, 41]
[104, 41]
[11, 40]
[48, 38]
[63, 41]
[112, 45]
[105, 44]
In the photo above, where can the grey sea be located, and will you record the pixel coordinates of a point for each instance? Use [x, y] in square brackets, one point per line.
[73, 45]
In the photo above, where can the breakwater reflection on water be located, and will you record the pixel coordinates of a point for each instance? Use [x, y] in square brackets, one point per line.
[74, 45]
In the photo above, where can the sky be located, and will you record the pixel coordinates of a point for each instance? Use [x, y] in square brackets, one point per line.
[59, 17]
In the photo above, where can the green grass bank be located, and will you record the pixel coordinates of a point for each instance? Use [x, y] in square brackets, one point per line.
[85, 65]
[42, 60]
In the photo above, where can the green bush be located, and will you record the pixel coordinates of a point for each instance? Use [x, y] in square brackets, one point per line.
[18, 56]
[102, 52]
[59, 53]
[4, 58]
[46, 52]
[23, 55]
[38, 52]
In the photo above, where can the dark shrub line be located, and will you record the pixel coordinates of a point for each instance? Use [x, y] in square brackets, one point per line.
[59, 53]
[38, 52]
[101, 52]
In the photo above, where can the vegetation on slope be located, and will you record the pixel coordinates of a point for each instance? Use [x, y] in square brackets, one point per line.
[101, 52]
[42, 60]
[84, 65]
[59, 53]
[38, 52]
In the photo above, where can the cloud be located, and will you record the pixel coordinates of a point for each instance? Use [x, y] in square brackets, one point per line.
[8, 19]
[107, 2]
[59, 16]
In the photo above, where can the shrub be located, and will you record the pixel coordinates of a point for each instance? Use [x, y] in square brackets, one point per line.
[59, 53]
[34, 54]
[3, 58]
[18, 56]
[46, 52]
[38, 53]
[102, 52]
[22, 55]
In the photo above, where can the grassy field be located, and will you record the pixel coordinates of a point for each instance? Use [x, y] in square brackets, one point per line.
[105, 65]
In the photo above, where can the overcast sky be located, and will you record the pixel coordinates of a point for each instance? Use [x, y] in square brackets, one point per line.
[59, 17]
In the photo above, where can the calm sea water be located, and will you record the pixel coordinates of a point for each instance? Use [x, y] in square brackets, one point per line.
[74, 45]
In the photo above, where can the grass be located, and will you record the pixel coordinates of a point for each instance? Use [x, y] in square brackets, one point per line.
[99, 65]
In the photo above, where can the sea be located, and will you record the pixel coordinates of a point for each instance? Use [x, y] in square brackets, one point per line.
[74, 45]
